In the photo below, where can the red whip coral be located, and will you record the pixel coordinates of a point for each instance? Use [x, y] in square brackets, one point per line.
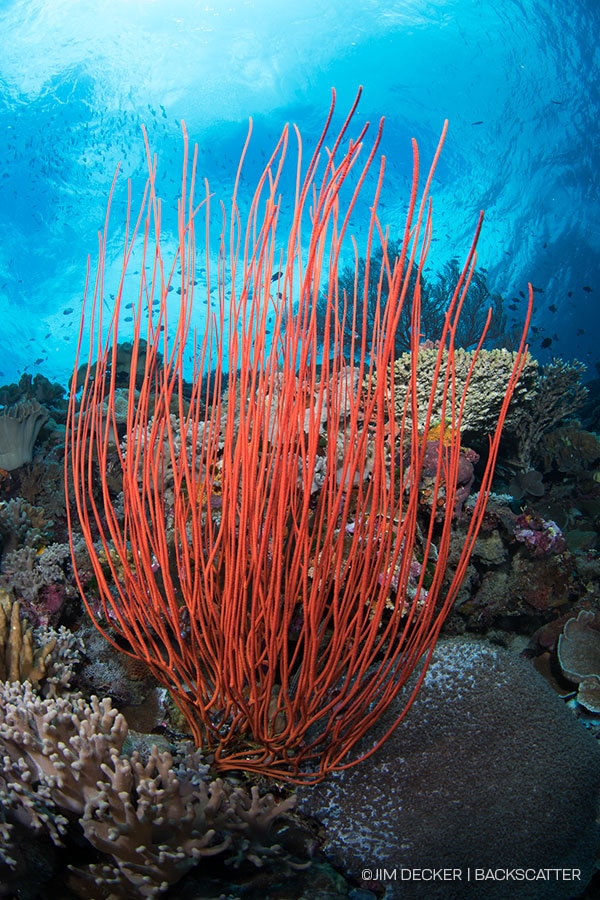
[229, 567]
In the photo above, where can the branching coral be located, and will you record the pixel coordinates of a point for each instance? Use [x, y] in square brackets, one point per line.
[23, 525]
[18, 659]
[556, 394]
[40, 578]
[43, 656]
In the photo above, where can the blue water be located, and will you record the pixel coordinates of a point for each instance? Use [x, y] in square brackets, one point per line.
[518, 82]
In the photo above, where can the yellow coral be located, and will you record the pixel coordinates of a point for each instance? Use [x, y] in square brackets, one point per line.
[19, 659]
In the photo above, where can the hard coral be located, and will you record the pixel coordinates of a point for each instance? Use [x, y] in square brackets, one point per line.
[41, 579]
[43, 656]
[556, 393]
[579, 657]
[23, 525]
[489, 374]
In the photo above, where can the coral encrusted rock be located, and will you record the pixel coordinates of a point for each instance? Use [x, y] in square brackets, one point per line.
[488, 789]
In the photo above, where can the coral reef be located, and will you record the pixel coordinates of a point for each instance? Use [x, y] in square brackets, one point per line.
[528, 483]
[543, 398]
[122, 363]
[541, 536]
[42, 483]
[37, 387]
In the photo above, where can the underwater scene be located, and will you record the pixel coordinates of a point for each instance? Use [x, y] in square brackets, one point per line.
[299, 450]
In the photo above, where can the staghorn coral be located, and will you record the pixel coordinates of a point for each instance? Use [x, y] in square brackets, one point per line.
[19, 428]
[487, 388]
[63, 759]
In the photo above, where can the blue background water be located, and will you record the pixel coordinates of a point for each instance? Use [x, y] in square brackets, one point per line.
[519, 83]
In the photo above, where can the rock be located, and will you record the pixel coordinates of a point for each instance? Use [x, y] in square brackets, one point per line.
[489, 771]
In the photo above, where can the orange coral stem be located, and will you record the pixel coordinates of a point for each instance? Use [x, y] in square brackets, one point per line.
[267, 518]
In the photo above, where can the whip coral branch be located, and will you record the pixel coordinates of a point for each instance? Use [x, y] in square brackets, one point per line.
[269, 556]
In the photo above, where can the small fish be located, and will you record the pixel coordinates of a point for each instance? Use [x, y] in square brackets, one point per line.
[67, 311]
[580, 331]
[570, 294]
[587, 289]
[547, 342]
[276, 276]
[513, 306]
[552, 307]
[478, 122]
[39, 361]
[521, 294]
[537, 290]
[556, 102]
